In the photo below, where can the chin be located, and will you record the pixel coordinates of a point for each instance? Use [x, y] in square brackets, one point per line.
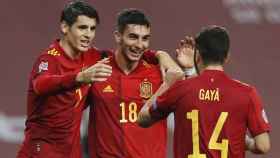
[82, 49]
[134, 59]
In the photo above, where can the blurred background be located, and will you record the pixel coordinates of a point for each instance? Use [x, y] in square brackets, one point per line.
[28, 27]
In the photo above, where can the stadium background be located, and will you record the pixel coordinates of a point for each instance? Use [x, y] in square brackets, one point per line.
[28, 27]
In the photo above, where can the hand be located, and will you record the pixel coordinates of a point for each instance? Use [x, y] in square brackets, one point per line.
[185, 52]
[97, 72]
[172, 75]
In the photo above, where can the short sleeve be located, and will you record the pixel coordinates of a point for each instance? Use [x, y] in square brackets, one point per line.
[166, 103]
[257, 118]
[150, 57]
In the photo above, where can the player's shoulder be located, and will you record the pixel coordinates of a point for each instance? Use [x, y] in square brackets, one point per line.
[147, 59]
[147, 65]
[183, 83]
[242, 85]
[192, 81]
[150, 68]
[50, 53]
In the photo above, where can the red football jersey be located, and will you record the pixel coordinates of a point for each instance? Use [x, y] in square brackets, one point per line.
[54, 105]
[113, 131]
[212, 115]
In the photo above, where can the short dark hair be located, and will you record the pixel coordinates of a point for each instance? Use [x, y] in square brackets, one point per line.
[76, 8]
[131, 16]
[213, 44]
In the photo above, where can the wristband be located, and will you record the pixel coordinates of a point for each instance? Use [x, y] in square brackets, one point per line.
[189, 71]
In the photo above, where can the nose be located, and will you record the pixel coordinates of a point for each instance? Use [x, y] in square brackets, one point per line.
[89, 33]
[140, 44]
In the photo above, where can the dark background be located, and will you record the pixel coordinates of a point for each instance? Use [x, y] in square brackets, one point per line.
[28, 27]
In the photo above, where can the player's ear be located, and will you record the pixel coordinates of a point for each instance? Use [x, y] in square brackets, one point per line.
[117, 36]
[64, 27]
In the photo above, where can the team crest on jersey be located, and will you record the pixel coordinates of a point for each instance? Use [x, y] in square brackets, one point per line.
[43, 66]
[146, 89]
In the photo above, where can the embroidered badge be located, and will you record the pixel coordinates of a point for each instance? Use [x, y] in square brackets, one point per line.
[43, 66]
[146, 90]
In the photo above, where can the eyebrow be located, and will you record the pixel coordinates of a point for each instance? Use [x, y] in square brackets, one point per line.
[147, 36]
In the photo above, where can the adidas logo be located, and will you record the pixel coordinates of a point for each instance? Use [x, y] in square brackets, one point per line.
[108, 89]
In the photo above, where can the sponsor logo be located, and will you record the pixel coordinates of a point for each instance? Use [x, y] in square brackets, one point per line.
[108, 89]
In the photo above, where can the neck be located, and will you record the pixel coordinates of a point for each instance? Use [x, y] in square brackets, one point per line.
[68, 49]
[125, 64]
[214, 67]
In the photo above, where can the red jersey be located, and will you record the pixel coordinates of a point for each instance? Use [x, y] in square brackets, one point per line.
[212, 114]
[113, 131]
[54, 105]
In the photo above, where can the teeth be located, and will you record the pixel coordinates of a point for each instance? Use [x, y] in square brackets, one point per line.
[84, 41]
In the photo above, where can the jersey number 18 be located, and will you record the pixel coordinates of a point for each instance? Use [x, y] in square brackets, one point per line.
[132, 112]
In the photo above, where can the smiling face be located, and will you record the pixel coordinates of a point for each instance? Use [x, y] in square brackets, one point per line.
[133, 42]
[79, 36]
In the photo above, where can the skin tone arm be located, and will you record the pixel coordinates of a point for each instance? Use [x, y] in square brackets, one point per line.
[185, 54]
[144, 119]
[260, 144]
[166, 62]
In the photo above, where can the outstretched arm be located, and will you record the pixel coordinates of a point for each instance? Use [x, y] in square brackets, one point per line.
[144, 118]
[48, 80]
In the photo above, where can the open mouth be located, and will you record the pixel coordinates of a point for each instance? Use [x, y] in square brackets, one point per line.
[85, 43]
[136, 53]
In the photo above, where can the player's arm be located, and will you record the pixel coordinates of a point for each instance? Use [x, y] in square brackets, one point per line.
[260, 144]
[147, 116]
[163, 59]
[95, 73]
[47, 79]
[258, 126]
[166, 62]
[144, 118]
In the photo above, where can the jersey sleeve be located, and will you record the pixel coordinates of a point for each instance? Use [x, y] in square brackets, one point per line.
[257, 118]
[166, 103]
[46, 78]
[150, 57]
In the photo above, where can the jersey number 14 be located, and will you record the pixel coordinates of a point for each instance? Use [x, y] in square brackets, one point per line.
[213, 144]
